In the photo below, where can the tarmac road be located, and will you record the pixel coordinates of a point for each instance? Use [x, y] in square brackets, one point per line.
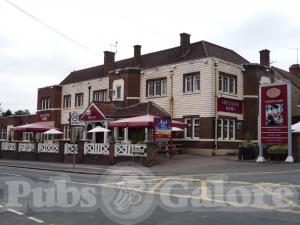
[267, 194]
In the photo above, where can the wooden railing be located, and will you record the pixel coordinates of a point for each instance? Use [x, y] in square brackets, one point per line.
[26, 147]
[96, 149]
[70, 149]
[8, 146]
[130, 149]
[48, 148]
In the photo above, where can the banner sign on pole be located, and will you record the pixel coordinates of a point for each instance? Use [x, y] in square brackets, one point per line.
[275, 117]
[162, 128]
[274, 114]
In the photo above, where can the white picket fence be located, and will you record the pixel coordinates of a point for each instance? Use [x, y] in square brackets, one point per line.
[7, 146]
[130, 150]
[96, 149]
[48, 148]
[71, 149]
[26, 147]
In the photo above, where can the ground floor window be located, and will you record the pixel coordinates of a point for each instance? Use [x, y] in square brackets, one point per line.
[77, 133]
[27, 136]
[193, 127]
[226, 128]
[67, 132]
[3, 134]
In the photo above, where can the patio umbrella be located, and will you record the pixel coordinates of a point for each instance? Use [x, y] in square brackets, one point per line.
[32, 127]
[296, 127]
[53, 131]
[176, 129]
[141, 121]
[98, 129]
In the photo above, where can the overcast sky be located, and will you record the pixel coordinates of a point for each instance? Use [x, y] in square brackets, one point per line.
[32, 56]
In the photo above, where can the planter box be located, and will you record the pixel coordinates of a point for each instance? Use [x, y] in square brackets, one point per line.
[277, 156]
[248, 153]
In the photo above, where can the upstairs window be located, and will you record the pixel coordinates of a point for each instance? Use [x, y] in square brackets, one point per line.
[118, 91]
[157, 87]
[227, 83]
[100, 95]
[79, 100]
[45, 103]
[191, 82]
[67, 101]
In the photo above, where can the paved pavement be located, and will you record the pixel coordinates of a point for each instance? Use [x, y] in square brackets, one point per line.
[215, 190]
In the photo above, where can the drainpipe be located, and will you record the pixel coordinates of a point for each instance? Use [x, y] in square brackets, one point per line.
[216, 104]
[89, 94]
[171, 95]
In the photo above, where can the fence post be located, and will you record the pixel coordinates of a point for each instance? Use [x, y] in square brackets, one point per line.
[111, 156]
[151, 159]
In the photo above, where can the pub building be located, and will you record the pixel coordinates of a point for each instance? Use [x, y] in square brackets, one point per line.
[212, 89]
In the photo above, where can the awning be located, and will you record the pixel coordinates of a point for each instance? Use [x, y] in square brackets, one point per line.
[141, 121]
[98, 129]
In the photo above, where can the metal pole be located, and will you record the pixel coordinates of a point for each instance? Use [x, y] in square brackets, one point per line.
[260, 155]
[290, 157]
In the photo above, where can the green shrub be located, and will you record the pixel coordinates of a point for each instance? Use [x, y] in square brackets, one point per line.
[278, 149]
[247, 143]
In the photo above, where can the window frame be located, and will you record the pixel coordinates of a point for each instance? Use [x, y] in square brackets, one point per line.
[156, 87]
[65, 105]
[80, 97]
[101, 94]
[190, 81]
[226, 125]
[45, 103]
[227, 83]
[193, 128]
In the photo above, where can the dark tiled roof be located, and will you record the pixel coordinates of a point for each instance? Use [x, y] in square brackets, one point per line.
[201, 49]
[291, 77]
[144, 108]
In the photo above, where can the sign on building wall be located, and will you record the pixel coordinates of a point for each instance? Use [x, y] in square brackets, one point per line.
[162, 128]
[275, 116]
[41, 117]
[230, 105]
[74, 119]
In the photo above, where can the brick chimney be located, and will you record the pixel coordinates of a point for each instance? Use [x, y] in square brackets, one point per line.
[265, 57]
[137, 55]
[184, 43]
[295, 69]
[109, 61]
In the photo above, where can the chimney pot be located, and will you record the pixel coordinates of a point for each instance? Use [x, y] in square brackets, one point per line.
[295, 69]
[137, 55]
[265, 57]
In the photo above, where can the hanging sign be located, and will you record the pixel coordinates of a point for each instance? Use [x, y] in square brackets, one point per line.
[162, 128]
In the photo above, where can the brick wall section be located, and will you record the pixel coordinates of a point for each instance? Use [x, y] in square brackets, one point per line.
[55, 95]
[252, 77]
[54, 92]
[131, 85]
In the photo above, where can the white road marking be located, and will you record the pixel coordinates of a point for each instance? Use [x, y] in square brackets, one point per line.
[1, 206]
[15, 212]
[11, 174]
[35, 219]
